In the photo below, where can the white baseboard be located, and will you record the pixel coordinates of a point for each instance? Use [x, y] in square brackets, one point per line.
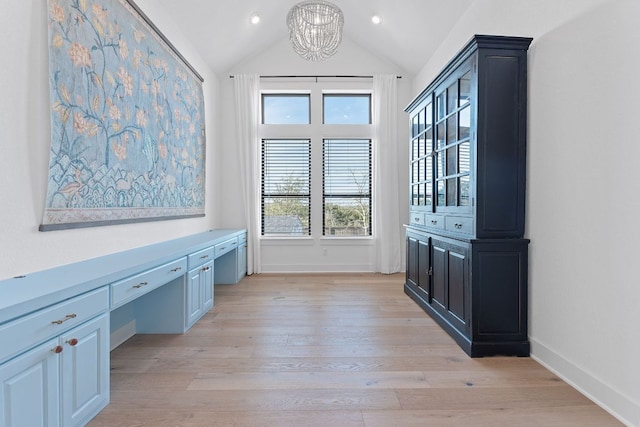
[333, 268]
[617, 404]
[121, 335]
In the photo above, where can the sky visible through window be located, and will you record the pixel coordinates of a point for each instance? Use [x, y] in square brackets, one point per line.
[348, 109]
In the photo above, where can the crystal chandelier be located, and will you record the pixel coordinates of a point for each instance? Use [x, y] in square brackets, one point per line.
[315, 29]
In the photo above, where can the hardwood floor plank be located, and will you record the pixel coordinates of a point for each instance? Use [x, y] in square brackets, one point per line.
[328, 350]
[309, 380]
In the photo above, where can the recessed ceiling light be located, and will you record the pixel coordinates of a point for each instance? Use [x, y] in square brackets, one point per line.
[255, 18]
[376, 19]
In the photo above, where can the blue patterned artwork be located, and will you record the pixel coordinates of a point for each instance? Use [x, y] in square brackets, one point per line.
[127, 120]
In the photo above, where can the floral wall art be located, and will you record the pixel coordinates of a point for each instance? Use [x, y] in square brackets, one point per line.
[127, 125]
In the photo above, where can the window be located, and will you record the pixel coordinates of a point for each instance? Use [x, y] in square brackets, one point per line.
[316, 160]
[285, 109]
[351, 109]
[346, 195]
[286, 185]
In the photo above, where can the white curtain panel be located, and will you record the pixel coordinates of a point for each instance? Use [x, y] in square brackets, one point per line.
[247, 98]
[386, 204]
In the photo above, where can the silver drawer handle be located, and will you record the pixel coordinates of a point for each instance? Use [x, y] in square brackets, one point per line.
[67, 317]
[141, 284]
[176, 269]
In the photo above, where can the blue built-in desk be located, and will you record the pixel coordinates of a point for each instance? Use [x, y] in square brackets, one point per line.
[58, 326]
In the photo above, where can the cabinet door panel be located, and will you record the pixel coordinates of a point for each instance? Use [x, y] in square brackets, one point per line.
[439, 266]
[85, 370]
[206, 284]
[29, 389]
[194, 299]
[423, 267]
[412, 260]
[457, 288]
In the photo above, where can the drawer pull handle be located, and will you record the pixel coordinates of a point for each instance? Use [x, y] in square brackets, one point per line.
[67, 317]
[223, 248]
[458, 226]
[204, 256]
[206, 268]
[57, 349]
[434, 222]
[141, 284]
[176, 269]
[72, 342]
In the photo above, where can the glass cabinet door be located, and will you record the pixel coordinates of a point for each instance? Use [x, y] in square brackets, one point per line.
[453, 144]
[421, 159]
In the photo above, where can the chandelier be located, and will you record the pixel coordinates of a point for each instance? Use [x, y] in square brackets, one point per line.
[315, 29]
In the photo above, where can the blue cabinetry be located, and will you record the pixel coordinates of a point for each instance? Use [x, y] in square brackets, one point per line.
[57, 326]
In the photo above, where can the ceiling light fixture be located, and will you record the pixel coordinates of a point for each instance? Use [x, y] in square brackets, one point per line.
[376, 19]
[315, 29]
[255, 18]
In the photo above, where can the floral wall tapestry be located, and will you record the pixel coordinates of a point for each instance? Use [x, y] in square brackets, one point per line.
[127, 120]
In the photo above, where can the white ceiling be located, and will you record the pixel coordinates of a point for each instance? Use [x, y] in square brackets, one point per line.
[410, 32]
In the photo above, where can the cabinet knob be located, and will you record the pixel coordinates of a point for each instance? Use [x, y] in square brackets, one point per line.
[434, 222]
[61, 321]
[72, 342]
[176, 269]
[206, 268]
[141, 284]
[458, 226]
[57, 349]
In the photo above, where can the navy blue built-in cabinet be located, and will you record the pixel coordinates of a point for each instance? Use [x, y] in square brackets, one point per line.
[467, 259]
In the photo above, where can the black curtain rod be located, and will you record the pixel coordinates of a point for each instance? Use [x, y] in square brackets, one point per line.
[317, 77]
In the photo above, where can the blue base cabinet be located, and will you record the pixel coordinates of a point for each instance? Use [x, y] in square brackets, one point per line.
[29, 388]
[57, 326]
[65, 380]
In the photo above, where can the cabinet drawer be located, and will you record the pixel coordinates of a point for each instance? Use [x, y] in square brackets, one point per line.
[131, 288]
[226, 246]
[242, 239]
[434, 221]
[416, 218]
[25, 332]
[198, 258]
[459, 224]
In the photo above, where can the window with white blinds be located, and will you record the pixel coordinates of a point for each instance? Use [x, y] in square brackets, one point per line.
[286, 187]
[346, 189]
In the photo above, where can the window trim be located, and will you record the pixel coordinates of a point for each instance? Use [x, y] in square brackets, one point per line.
[317, 131]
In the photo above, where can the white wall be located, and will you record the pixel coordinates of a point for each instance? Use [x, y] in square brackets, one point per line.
[583, 189]
[307, 255]
[25, 141]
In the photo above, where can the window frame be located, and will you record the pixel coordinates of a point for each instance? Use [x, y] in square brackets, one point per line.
[317, 131]
[354, 94]
[264, 95]
[271, 195]
[348, 195]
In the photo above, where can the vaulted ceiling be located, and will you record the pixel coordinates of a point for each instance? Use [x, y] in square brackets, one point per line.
[410, 31]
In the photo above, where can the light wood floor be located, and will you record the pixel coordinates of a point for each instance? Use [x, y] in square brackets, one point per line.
[328, 350]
